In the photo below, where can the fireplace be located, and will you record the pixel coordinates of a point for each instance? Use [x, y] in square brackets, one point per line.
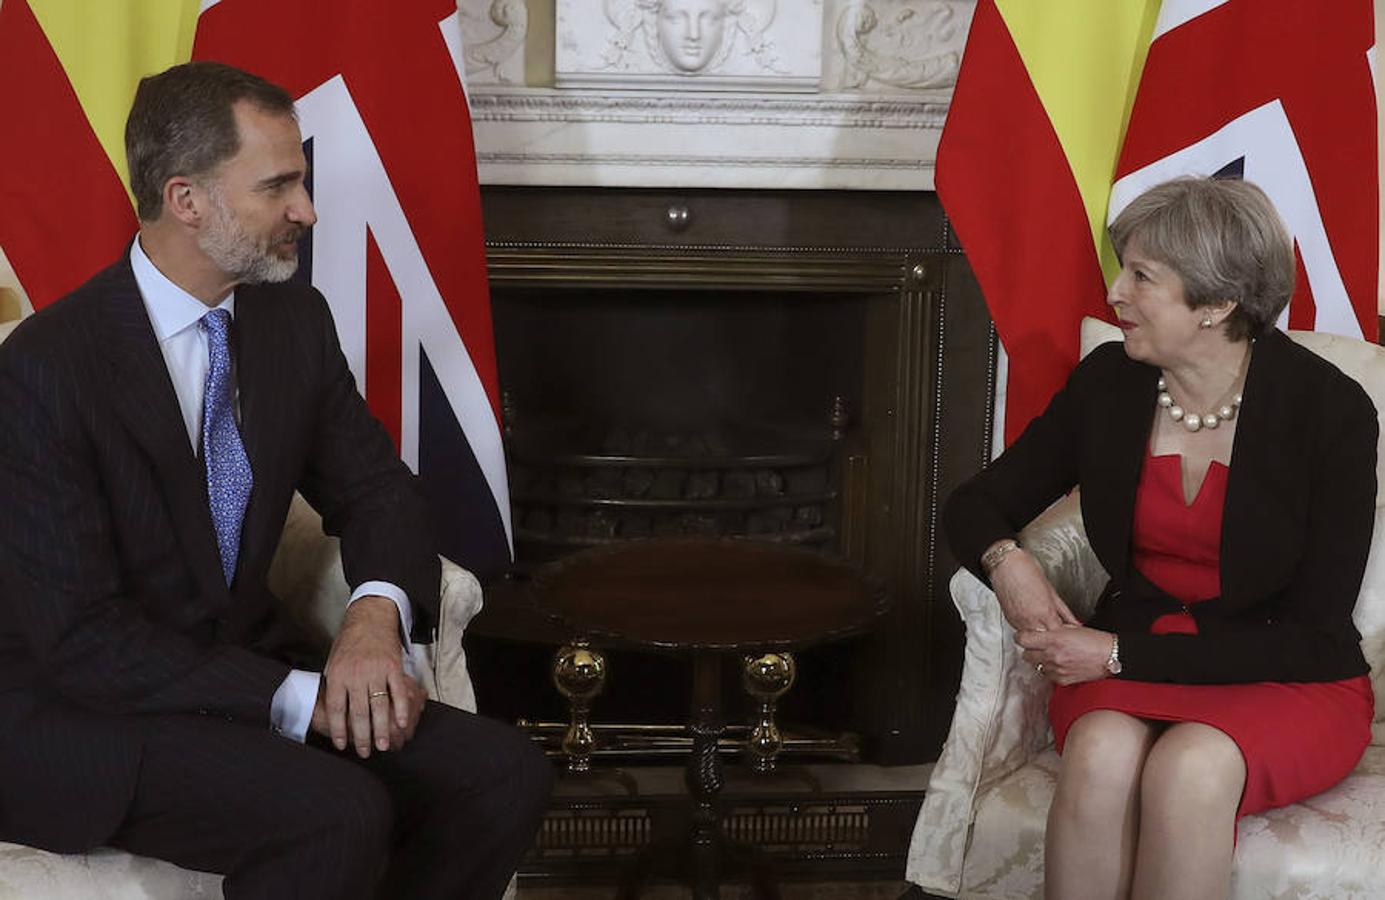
[764, 364]
[643, 412]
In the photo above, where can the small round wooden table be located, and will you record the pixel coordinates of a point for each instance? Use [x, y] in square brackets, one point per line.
[702, 598]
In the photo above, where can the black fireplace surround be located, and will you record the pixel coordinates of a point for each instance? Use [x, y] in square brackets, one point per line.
[803, 366]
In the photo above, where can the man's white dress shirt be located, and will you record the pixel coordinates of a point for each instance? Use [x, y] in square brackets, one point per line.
[174, 314]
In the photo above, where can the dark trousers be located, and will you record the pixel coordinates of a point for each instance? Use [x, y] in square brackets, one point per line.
[449, 816]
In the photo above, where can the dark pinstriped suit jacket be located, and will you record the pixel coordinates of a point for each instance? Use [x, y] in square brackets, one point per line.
[113, 607]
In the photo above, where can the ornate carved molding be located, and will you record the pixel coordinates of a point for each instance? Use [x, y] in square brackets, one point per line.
[829, 93]
[493, 33]
[690, 44]
[909, 44]
[838, 111]
[759, 163]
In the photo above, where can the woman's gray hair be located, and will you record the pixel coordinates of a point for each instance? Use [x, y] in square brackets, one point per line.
[1224, 239]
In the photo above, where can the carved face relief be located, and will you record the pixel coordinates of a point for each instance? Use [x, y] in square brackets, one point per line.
[691, 31]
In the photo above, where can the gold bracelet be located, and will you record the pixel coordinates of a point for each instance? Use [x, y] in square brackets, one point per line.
[996, 554]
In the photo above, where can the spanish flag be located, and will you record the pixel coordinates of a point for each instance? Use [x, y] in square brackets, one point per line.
[68, 72]
[1066, 110]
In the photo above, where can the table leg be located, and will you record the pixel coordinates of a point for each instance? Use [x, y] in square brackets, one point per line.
[579, 673]
[766, 678]
[704, 776]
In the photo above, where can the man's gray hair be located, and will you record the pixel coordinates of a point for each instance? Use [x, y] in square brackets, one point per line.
[1224, 239]
[183, 123]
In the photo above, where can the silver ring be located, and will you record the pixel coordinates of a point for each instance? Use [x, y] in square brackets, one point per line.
[374, 694]
[1039, 668]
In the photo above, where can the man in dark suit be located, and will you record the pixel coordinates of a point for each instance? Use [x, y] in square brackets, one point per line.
[154, 425]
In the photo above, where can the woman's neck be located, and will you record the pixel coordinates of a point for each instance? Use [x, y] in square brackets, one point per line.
[1208, 380]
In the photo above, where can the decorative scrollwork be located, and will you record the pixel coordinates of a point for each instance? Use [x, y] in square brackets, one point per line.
[914, 44]
[704, 768]
[489, 54]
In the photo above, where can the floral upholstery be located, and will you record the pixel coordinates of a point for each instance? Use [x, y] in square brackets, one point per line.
[980, 831]
[307, 574]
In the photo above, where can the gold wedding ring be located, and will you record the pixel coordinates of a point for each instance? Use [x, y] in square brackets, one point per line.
[374, 694]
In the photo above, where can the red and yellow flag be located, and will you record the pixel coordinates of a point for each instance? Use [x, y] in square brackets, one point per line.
[398, 250]
[68, 71]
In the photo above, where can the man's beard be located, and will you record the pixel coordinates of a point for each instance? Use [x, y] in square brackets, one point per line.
[237, 253]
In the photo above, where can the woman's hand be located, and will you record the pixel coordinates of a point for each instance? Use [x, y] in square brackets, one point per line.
[1069, 655]
[1027, 600]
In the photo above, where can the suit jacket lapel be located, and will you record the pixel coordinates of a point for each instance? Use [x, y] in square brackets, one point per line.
[263, 378]
[144, 399]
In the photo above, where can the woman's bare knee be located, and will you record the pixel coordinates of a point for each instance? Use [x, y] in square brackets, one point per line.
[1193, 770]
[1102, 761]
[1089, 846]
[1107, 745]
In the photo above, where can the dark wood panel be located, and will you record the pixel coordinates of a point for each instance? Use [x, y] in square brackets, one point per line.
[743, 218]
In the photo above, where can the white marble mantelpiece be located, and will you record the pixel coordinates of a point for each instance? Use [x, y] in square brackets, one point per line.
[858, 105]
[697, 45]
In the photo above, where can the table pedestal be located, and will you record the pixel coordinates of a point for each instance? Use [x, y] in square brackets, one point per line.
[709, 852]
[703, 599]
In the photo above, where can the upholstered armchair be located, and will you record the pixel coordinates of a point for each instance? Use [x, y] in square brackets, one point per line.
[980, 833]
[307, 575]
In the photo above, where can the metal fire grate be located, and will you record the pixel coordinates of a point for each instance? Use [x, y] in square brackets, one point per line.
[571, 488]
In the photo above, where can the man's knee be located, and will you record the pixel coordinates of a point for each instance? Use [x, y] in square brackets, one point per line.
[344, 817]
[504, 774]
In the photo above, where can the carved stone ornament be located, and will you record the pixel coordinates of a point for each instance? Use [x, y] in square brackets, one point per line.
[763, 45]
[818, 94]
[903, 44]
[493, 33]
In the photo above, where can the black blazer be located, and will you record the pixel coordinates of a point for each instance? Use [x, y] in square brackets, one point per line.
[1296, 527]
[112, 602]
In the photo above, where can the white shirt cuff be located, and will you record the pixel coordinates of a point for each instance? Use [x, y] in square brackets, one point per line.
[291, 711]
[401, 600]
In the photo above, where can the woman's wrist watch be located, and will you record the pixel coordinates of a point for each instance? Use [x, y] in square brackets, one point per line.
[1113, 662]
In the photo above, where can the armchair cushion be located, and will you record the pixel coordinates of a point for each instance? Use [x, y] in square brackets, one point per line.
[307, 575]
[1000, 722]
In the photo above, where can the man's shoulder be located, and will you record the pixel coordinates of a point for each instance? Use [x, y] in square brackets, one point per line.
[286, 302]
[73, 321]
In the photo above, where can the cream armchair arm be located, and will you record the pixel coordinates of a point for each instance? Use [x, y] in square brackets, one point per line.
[1001, 720]
[307, 575]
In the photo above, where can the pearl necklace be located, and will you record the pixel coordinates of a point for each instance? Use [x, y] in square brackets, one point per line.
[1191, 420]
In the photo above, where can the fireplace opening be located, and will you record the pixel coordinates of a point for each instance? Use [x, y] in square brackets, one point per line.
[640, 413]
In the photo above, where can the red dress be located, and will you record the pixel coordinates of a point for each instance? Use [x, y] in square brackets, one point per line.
[1298, 739]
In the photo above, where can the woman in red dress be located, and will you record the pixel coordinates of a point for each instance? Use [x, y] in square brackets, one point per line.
[1228, 487]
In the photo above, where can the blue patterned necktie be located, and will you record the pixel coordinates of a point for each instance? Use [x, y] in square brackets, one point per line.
[228, 468]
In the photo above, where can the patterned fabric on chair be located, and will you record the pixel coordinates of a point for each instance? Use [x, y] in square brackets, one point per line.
[980, 832]
[307, 575]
